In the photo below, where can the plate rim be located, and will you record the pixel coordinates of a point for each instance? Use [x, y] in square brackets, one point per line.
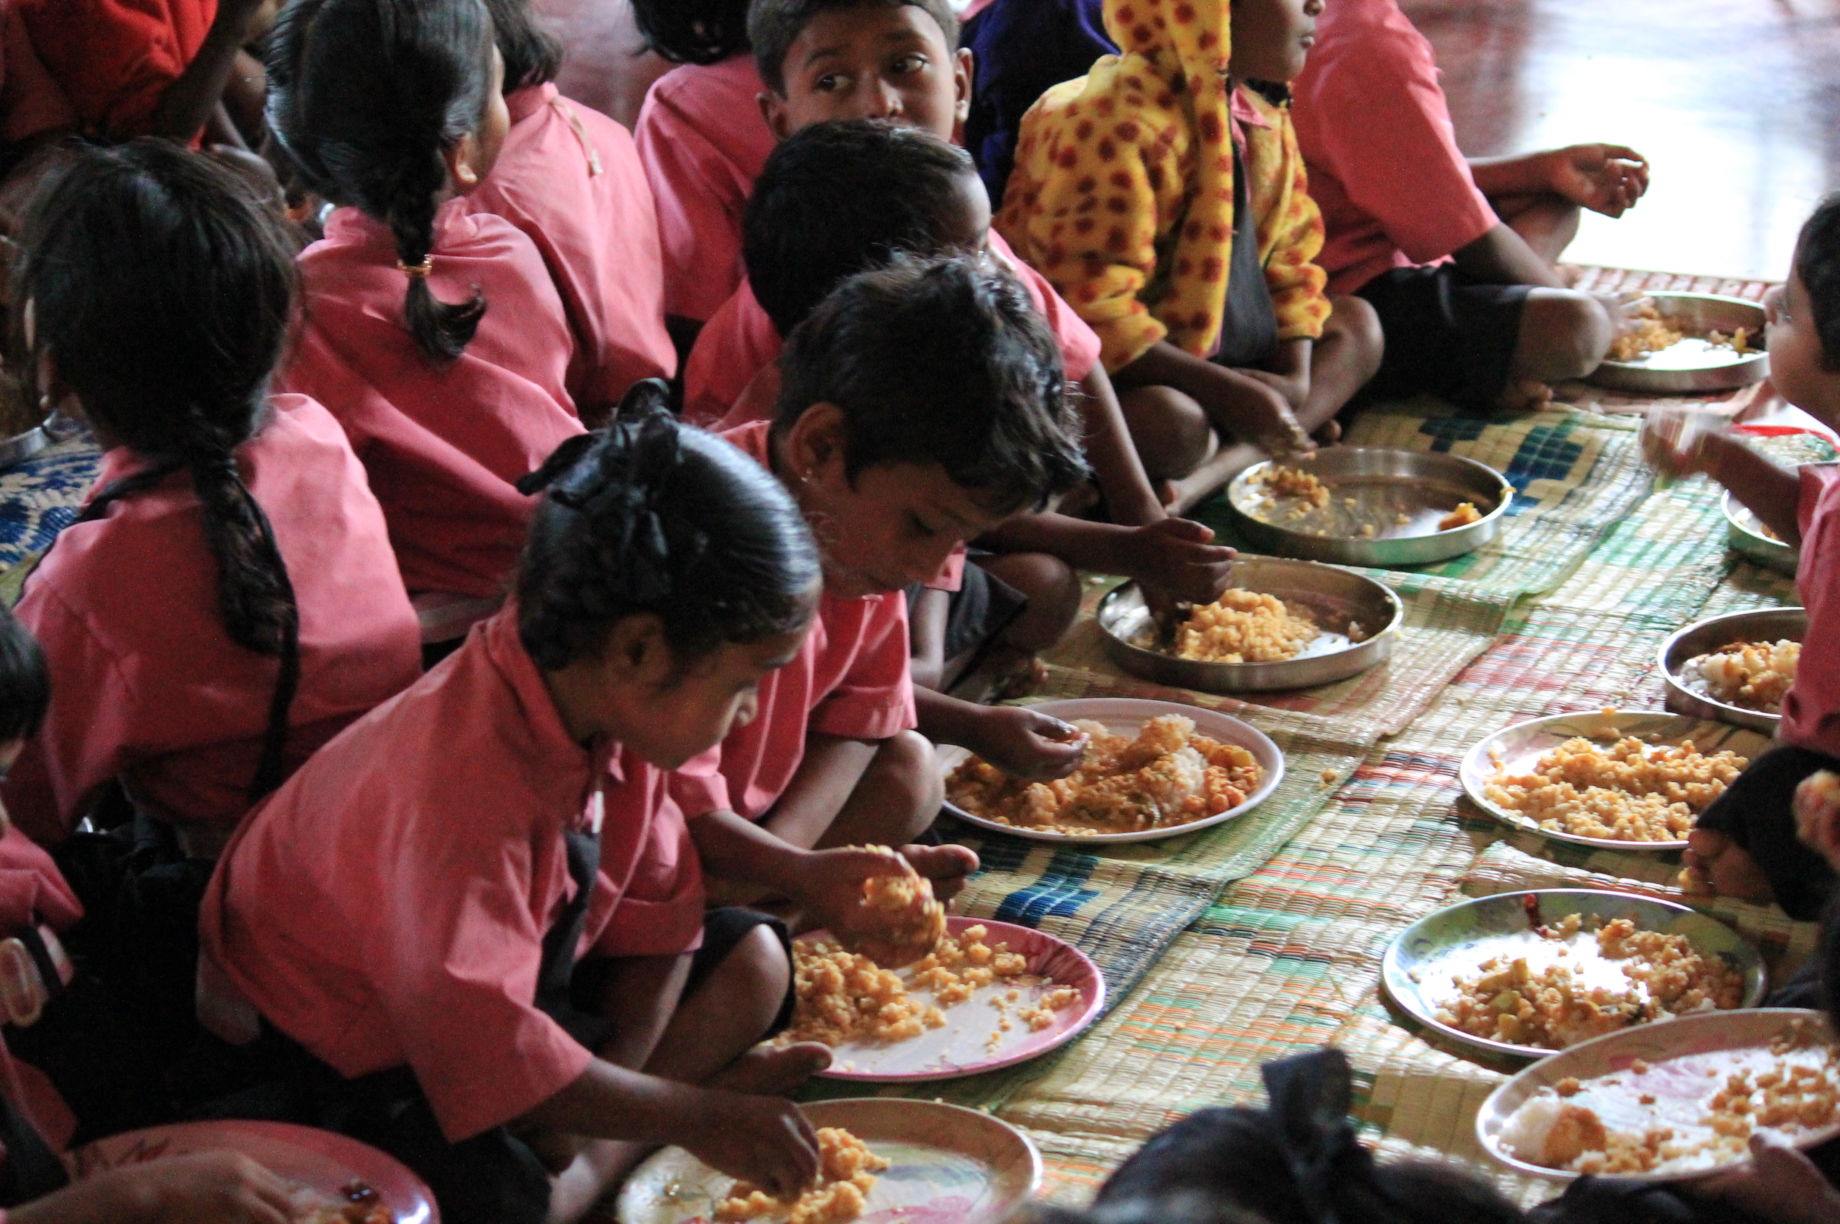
[1095, 1005]
[1390, 965]
[1468, 768]
[1505, 496]
[1672, 679]
[1268, 785]
[1487, 1113]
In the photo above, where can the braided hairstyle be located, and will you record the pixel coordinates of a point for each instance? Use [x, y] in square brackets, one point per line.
[366, 96]
[532, 55]
[163, 291]
[25, 681]
[693, 31]
[1817, 262]
[649, 515]
[940, 360]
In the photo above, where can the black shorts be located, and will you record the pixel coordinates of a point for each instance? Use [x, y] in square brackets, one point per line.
[1445, 334]
[1757, 811]
[976, 613]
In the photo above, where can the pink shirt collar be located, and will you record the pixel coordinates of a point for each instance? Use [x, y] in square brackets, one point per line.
[526, 102]
[557, 754]
[351, 226]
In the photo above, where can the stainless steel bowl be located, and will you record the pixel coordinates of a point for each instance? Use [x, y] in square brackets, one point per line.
[1384, 486]
[21, 447]
[1744, 532]
[1337, 598]
[1716, 633]
[1689, 368]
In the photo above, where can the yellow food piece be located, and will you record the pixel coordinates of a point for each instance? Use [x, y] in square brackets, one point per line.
[1464, 514]
[1246, 627]
[1626, 791]
[846, 1173]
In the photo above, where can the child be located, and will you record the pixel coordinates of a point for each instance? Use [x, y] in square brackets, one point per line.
[33, 108]
[227, 600]
[920, 406]
[1165, 198]
[840, 197]
[500, 833]
[569, 178]
[1456, 255]
[1296, 1162]
[1745, 843]
[135, 69]
[702, 143]
[434, 334]
[36, 906]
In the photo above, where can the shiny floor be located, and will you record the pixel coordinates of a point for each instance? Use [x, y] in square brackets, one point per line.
[1736, 104]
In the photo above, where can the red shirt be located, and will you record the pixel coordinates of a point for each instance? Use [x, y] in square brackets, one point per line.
[849, 679]
[387, 907]
[740, 340]
[1375, 132]
[31, 103]
[570, 178]
[703, 142]
[147, 685]
[443, 444]
[1811, 707]
[114, 59]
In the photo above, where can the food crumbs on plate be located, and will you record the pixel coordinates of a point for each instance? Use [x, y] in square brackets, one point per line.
[1464, 514]
[1368, 531]
[1328, 777]
[846, 1173]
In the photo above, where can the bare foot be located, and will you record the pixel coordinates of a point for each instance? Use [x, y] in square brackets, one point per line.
[1328, 433]
[768, 1070]
[1524, 395]
[1726, 866]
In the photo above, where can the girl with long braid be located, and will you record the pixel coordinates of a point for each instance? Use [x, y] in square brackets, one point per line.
[226, 602]
[434, 334]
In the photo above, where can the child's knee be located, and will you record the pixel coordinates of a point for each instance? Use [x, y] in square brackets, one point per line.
[756, 974]
[1356, 325]
[1564, 334]
[1053, 591]
[908, 774]
[1170, 430]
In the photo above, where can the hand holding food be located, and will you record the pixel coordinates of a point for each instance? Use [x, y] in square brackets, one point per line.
[759, 1139]
[874, 902]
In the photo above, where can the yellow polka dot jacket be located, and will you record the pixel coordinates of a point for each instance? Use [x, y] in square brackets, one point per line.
[1122, 194]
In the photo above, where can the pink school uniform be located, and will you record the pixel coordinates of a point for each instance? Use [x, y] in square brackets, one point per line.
[388, 906]
[150, 689]
[849, 679]
[1811, 707]
[569, 178]
[740, 341]
[32, 894]
[1376, 135]
[443, 444]
[703, 142]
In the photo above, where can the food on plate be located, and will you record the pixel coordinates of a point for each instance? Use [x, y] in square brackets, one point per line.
[847, 1171]
[900, 920]
[1246, 627]
[1167, 775]
[1568, 999]
[1752, 675]
[1647, 333]
[356, 1203]
[844, 997]
[1626, 791]
[1294, 484]
[1462, 516]
[1684, 1114]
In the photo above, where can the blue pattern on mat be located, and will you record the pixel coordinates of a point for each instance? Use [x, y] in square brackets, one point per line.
[41, 496]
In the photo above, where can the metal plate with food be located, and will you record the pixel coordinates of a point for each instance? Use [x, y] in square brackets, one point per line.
[1632, 780]
[1367, 506]
[1691, 342]
[943, 1162]
[1748, 537]
[1218, 769]
[1357, 621]
[1669, 1101]
[335, 1180]
[991, 995]
[1735, 667]
[1527, 973]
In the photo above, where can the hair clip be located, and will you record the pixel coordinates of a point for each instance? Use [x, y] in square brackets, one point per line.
[421, 270]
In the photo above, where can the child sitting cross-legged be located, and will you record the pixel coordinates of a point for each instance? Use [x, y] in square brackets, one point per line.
[920, 406]
[473, 928]
[1745, 843]
[1164, 196]
[842, 196]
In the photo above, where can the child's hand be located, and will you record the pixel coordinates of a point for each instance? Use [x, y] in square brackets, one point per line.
[223, 1187]
[1176, 560]
[1817, 814]
[1781, 1184]
[1675, 443]
[759, 1139]
[1027, 744]
[948, 867]
[1604, 178]
[834, 889]
[1255, 411]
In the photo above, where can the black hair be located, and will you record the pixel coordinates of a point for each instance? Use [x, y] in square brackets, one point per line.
[836, 198]
[366, 96]
[1817, 262]
[649, 515]
[774, 25]
[532, 55]
[164, 291]
[941, 360]
[693, 31]
[25, 680]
